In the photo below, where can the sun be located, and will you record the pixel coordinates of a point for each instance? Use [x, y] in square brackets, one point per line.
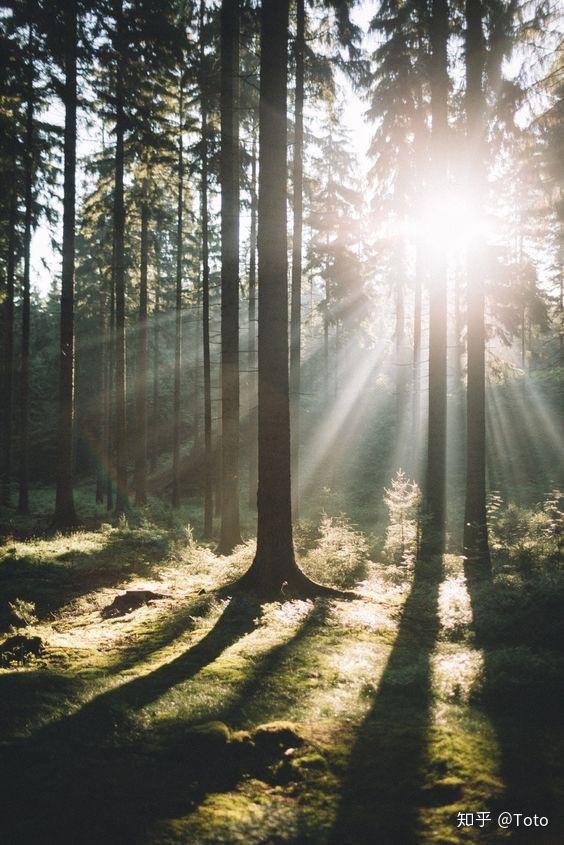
[449, 220]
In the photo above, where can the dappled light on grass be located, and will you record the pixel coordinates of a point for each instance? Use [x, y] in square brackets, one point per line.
[395, 680]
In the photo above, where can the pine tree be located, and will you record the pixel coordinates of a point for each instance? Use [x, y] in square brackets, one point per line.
[65, 515]
[230, 527]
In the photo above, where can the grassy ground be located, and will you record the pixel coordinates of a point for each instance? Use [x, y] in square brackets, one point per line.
[199, 720]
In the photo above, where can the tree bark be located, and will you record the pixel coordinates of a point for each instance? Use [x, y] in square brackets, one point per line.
[252, 357]
[102, 413]
[120, 429]
[208, 454]
[8, 348]
[296, 298]
[475, 539]
[110, 455]
[141, 362]
[65, 515]
[178, 310]
[274, 571]
[434, 528]
[229, 164]
[23, 493]
[155, 418]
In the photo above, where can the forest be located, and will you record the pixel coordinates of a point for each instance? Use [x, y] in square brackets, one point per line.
[281, 443]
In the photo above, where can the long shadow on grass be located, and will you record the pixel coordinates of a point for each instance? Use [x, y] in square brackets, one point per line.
[76, 783]
[523, 720]
[382, 786]
[72, 782]
[269, 689]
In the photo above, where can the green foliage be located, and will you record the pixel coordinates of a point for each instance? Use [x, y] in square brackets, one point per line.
[341, 553]
[529, 537]
[402, 499]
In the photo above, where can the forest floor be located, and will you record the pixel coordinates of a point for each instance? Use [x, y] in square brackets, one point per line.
[199, 719]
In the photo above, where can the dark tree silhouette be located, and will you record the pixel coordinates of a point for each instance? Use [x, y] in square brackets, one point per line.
[141, 362]
[229, 177]
[178, 304]
[475, 537]
[65, 515]
[433, 535]
[120, 432]
[204, 131]
[296, 298]
[252, 356]
[274, 569]
[23, 493]
[8, 346]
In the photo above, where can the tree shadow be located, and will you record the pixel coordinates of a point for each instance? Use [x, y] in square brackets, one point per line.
[50, 585]
[84, 780]
[523, 721]
[382, 788]
[255, 700]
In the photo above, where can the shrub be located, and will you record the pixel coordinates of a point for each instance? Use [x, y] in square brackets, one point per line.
[341, 554]
[530, 538]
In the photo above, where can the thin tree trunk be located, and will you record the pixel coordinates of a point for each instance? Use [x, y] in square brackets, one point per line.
[252, 358]
[119, 263]
[274, 570]
[23, 497]
[296, 298]
[155, 418]
[208, 454]
[416, 386]
[8, 349]
[103, 382]
[178, 310]
[400, 352]
[111, 388]
[141, 363]
[434, 533]
[230, 526]
[65, 515]
[475, 541]
[197, 369]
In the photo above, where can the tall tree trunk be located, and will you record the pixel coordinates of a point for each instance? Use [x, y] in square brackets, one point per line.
[434, 529]
[252, 358]
[141, 363]
[400, 352]
[296, 298]
[102, 414]
[197, 370]
[8, 349]
[23, 497]
[230, 527]
[155, 412]
[475, 541]
[111, 357]
[274, 570]
[208, 454]
[178, 309]
[119, 265]
[65, 515]
[416, 385]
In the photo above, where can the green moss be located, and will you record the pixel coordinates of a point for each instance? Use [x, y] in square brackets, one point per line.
[237, 724]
